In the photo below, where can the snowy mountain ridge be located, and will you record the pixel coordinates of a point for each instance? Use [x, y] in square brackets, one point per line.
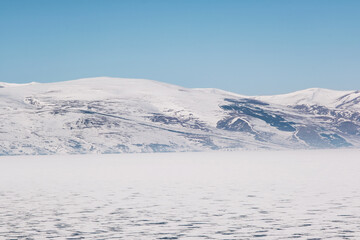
[115, 115]
[315, 96]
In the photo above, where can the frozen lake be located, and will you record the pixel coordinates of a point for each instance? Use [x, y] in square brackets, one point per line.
[229, 195]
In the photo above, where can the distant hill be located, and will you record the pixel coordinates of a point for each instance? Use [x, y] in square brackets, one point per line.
[115, 115]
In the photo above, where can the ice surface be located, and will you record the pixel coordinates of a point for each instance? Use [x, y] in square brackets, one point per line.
[218, 195]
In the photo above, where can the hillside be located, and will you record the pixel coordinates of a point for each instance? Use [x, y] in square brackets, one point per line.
[114, 115]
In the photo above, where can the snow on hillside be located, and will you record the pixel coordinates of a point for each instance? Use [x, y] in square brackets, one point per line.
[114, 115]
[314, 96]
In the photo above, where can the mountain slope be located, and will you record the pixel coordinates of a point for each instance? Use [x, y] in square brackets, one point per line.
[113, 115]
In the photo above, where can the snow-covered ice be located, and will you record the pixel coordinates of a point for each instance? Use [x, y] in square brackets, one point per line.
[219, 195]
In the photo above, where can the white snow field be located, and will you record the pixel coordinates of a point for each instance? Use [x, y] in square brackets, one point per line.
[312, 194]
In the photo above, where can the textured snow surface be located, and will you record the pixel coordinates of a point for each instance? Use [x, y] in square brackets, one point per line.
[233, 195]
[115, 115]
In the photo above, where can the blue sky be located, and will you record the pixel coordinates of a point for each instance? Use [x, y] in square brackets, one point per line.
[245, 46]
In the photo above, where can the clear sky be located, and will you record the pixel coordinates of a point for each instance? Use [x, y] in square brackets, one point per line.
[246, 46]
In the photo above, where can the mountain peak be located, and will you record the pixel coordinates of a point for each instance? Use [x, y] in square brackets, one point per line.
[310, 96]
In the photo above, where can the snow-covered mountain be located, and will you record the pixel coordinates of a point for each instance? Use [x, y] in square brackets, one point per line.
[115, 115]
